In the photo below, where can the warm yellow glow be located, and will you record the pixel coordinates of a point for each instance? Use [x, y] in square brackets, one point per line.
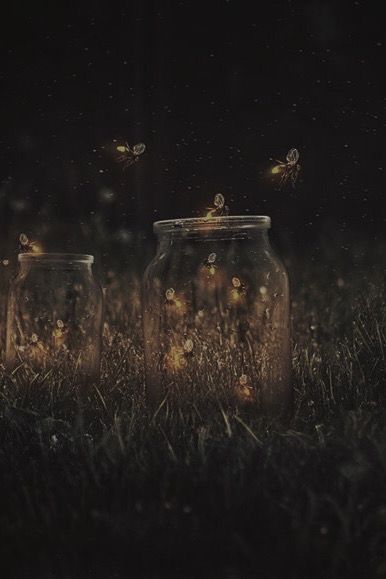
[121, 148]
[244, 392]
[28, 245]
[177, 303]
[175, 359]
[36, 247]
[276, 169]
[235, 295]
[219, 206]
[238, 290]
[59, 334]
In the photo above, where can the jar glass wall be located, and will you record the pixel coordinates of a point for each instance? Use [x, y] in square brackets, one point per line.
[216, 315]
[54, 319]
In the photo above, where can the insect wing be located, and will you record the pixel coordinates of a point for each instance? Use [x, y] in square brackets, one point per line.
[23, 239]
[139, 149]
[219, 200]
[292, 156]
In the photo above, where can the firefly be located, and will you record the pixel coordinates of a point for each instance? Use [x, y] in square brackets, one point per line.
[288, 169]
[129, 155]
[173, 300]
[244, 389]
[210, 263]
[219, 208]
[238, 289]
[28, 246]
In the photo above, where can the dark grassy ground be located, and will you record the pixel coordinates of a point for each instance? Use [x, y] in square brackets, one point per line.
[230, 496]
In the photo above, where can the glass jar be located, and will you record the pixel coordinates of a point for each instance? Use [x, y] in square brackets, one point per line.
[54, 319]
[216, 316]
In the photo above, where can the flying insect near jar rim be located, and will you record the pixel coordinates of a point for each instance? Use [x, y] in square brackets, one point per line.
[288, 170]
[129, 155]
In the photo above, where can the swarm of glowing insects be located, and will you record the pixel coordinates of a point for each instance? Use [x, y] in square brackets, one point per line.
[289, 169]
[219, 209]
[130, 154]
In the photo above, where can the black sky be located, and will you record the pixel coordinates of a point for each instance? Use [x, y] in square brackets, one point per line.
[215, 90]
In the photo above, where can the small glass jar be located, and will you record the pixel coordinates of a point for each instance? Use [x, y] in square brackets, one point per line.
[216, 316]
[54, 318]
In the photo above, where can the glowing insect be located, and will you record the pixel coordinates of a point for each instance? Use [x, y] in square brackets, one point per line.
[130, 155]
[59, 331]
[244, 389]
[169, 294]
[172, 300]
[238, 289]
[28, 246]
[288, 169]
[177, 357]
[219, 208]
[210, 263]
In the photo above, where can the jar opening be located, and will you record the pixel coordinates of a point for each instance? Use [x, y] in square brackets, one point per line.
[229, 222]
[56, 257]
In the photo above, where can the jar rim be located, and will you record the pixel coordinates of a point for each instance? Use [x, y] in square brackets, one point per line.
[189, 224]
[56, 257]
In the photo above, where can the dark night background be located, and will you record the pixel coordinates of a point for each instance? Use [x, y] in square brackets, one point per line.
[215, 90]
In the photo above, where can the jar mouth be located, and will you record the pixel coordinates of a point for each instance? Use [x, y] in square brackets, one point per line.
[55, 257]
[228, 222]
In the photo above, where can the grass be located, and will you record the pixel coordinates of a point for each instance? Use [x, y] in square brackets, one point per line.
[128, 493]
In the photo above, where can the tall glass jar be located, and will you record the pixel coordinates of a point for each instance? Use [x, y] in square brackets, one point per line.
[216, 316]
[54, 320]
